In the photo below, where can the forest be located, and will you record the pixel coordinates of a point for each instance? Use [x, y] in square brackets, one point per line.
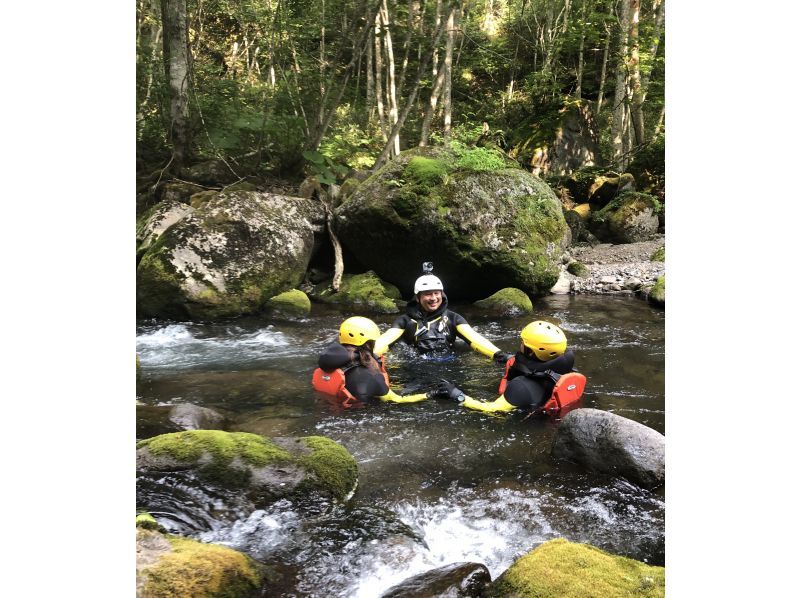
[284, 89]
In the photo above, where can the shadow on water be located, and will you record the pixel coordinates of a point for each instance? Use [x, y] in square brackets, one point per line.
[437, 484]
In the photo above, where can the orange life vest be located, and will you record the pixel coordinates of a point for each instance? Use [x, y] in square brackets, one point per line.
[568, 389]
[333, 383]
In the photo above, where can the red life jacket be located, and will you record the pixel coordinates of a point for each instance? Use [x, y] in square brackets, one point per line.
[568, 389]
[333, 383]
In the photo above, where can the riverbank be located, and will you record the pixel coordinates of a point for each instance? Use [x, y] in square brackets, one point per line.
[612, 269]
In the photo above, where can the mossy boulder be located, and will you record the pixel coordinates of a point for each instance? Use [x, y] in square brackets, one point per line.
[658, 294]
[361, 292]
[506, 302]
[578, 269]
[591, 186]
[169, 566]
[294, 303]
[249, 470]
[608, 443]
[199, 199]
[559, 568]
[484, 224]
[228, 257]
[629, 218]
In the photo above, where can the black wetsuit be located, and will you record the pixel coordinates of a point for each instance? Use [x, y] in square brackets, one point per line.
[430, 331]
[526, 391]
[362, 382]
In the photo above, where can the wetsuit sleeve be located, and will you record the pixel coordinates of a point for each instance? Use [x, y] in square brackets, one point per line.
[475, 340]
[393, 397]
[386, 339]
[499, 405]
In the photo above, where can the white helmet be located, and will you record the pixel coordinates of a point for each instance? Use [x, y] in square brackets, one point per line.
[428, 282]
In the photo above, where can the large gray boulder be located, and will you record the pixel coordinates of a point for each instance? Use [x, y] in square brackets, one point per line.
[608, 443]
[226, 257]
[484, 224]
[456, 580]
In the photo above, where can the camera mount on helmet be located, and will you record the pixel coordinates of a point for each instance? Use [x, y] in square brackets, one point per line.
[427, 267]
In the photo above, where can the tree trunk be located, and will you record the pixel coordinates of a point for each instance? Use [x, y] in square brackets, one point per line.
[391, 80]
[605, 62]
[654, 47]
[633, 72]
[620, 92]
[431, 110]
[379, 76]
[447, 103]
[423, 65]
[579, 74]
[370, 86]
[178, 72]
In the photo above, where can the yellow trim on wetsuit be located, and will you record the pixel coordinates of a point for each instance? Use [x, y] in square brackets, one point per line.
[498, 405]
[386, 339]
[393, 397]
[476, 341]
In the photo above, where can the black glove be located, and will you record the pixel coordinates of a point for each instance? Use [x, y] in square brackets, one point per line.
[451, 391]
[501, 357]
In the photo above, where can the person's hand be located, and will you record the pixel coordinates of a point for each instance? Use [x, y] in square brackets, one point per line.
[451, 391]
[501, 357]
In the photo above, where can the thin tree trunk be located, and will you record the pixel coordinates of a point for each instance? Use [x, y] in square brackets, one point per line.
[436, 26]
[605, 62]
[322, 66]
[391, 80]
[620, 92]
[633, 72]
[370, 86]
[654, 47]
[660, 123]
[447, 103]
[153, 58]
[177, 69]
[431, 109]
[413, 8]
[379, 76]
[579, 74]
[423, 65]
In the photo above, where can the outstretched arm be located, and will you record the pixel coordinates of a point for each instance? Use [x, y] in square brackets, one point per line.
[393, 397]
[476, 341]
[386, 339]
[451, 391]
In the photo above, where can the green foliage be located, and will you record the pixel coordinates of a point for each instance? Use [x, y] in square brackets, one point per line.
[326, 170]
[659, 255]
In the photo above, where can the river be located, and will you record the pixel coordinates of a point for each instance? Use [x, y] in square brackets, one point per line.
[437, 483]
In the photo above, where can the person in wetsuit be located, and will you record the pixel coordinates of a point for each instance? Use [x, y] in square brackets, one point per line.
[351, 371]
[430, 327]
[531, 376]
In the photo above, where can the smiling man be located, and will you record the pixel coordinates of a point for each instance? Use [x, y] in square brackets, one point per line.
[432, 328]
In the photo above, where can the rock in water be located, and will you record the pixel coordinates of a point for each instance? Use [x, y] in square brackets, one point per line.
[608, 443]
[456, 580]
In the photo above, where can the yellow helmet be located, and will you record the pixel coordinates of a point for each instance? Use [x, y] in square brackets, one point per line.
[357, 331]
[546, 340]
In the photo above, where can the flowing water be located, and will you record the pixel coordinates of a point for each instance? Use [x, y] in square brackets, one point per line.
[437, 483]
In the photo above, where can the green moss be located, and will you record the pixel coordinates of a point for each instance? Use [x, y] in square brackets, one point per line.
[196, 569]
[224, 447]
[428, 171]
[361, 290]
[480, 159]
[294, 302]
[559, 568]
[577, 269]
[658, 255]
[659, 291]
[507, 300]
[333, 466]
[147, 521]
